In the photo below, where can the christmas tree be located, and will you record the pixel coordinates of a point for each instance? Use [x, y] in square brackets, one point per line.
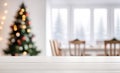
[21, 38]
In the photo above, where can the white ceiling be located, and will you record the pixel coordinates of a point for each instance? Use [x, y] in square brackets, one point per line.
[85, 1]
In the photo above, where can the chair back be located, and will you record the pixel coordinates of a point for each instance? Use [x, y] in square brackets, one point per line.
[75, 47]
[112, 47]
[55, 48]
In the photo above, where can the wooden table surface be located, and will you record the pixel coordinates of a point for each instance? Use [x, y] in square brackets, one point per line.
[59, 64]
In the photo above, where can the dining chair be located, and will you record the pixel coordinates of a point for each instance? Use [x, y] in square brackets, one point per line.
[55, 48]
[112, 47]
[77, 48]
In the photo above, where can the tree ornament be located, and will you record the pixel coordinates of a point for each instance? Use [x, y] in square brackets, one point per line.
[30, 46]
[13, 40]
[29, 23]
[23, 26]
[26, 47]
[22, 22]
[28, 30]
[23, 38]
[25, 53]
[15, 28]
[21, 13]
[19, 42]
[22, 10]
[20, 48]
[27, 39]
[23, 17]
[26, 14]
[17, 34]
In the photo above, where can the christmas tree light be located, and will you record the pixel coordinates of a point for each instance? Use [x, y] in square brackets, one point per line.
[3, 17]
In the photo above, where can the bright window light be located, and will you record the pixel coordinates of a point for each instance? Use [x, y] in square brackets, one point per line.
[82, 24]
[100, 24]
[117, 23]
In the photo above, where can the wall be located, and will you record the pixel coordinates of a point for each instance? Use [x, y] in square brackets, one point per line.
[36, 9]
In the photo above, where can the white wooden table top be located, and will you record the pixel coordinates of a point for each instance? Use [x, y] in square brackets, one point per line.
[59, 64]
[76, 59]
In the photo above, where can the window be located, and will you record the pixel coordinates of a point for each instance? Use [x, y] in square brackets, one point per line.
[117, 23]
[100, 24]
[81, 27]
[81, 24]
[59, 24]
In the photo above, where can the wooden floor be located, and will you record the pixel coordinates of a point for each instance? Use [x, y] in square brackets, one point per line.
[60, 64]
